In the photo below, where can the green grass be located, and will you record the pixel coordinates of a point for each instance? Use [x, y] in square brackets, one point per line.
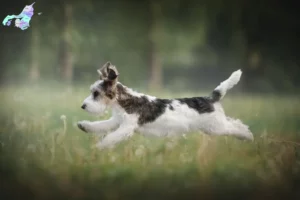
[46, 157]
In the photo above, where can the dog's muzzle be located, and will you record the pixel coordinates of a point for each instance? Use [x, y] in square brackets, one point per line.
[83, 106]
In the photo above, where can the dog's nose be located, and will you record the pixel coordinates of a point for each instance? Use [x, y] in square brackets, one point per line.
[83, 106]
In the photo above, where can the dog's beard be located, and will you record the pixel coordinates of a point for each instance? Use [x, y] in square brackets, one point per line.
[98, 111]
[94, 107]
[97, 114]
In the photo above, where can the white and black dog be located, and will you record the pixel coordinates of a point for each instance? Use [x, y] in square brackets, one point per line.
[137, 112]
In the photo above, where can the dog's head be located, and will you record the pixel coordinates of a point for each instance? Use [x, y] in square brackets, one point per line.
[103, 91]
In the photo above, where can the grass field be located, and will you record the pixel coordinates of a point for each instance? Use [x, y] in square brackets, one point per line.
[45, 156]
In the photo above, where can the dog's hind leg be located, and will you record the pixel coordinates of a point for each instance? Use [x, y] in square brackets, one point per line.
[236, 128]
[219, 124]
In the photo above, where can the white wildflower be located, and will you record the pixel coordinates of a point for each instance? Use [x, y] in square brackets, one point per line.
[63, 117]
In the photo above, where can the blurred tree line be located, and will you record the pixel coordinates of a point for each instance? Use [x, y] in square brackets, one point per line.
[174, 44]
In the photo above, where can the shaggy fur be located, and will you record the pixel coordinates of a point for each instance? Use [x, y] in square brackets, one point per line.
[151, 116]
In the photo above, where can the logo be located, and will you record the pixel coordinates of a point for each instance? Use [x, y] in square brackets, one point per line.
[22, 20]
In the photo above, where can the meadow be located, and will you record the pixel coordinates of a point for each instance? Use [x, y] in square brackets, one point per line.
[45, 156]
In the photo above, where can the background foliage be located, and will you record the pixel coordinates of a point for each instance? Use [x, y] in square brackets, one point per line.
[156, 44]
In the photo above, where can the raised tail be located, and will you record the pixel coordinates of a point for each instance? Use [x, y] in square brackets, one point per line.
[220, 91]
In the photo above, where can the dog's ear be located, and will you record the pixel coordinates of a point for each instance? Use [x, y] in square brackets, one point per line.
[108, 72]
[103, 71]
[112, 73]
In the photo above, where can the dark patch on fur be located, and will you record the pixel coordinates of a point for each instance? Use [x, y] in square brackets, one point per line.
[112, 74]
[216, 96]
[148, 111]
[200, 104]
[107, 87]
[95, 94]
[81, 127]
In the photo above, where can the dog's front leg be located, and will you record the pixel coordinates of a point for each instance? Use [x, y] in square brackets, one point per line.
[122, 133]
[99, 127]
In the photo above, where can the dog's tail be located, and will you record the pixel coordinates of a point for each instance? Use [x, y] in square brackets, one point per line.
[220, 91]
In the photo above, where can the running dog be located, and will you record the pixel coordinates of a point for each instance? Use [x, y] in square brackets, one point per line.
[151, 116]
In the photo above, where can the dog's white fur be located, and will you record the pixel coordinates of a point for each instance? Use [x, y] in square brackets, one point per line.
[178, 121]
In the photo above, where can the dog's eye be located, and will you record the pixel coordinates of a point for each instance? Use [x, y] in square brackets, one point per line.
[95, 94]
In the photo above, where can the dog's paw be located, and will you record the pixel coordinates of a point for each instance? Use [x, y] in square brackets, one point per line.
[83, 125]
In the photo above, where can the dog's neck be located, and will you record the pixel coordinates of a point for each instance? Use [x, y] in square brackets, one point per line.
[123, 92]
[128, 100]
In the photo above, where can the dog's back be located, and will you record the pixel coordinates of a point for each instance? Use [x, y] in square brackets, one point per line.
[206, 114]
